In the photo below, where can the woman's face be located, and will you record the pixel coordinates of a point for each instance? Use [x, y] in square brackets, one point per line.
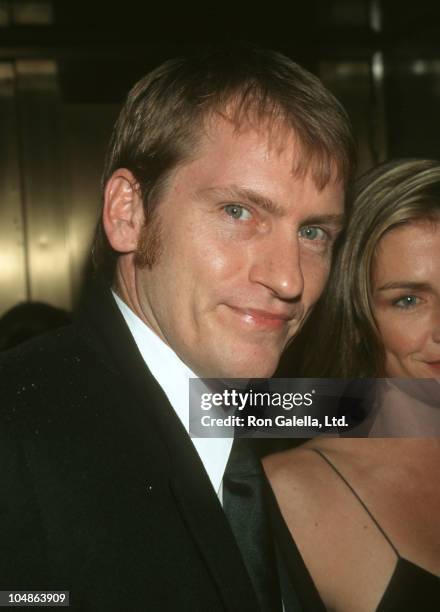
[406, 299]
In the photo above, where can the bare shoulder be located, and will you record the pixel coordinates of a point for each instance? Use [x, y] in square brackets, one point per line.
[309, 502]
[300, 464]
[289, 465]
[329, 526]
[296, 477]
[310, 494]
[320, 493]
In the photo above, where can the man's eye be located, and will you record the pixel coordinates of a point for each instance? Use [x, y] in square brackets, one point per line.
[236, 211]
[311, 232]
[407, 301]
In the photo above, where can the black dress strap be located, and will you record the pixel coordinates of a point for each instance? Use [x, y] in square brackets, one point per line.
[344, 480]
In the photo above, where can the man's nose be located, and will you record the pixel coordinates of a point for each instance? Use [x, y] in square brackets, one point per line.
[277, 266]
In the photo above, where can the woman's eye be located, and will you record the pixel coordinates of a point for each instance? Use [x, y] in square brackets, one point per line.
[236, 211]
[311, 232]
[407, 301]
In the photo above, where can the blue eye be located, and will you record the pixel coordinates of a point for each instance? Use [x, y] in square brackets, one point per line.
[236, 211]
[311, 232]
[407, 301]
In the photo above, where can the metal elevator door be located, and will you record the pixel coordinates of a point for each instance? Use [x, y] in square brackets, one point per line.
[51, 155]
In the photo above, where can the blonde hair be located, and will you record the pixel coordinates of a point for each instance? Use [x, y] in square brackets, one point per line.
[394, 193]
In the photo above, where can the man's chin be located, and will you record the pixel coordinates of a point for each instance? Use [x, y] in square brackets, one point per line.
[229, 356]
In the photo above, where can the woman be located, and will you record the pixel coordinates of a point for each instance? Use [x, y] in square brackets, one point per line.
[365, 513]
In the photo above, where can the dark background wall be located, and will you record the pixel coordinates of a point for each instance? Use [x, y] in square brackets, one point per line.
[65, 67]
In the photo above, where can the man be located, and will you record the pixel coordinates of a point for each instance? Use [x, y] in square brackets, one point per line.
[223, 195]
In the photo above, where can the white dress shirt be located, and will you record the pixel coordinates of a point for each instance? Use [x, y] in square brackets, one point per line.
[173, 376]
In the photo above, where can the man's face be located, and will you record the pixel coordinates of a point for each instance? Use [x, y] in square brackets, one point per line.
[245, 253]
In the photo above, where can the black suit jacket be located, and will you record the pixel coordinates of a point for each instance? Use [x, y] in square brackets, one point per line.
[102, 491]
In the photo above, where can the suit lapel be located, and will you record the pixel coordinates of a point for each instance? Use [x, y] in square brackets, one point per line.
[195, 497]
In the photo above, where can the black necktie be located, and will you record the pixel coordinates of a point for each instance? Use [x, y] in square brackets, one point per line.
[244, 505]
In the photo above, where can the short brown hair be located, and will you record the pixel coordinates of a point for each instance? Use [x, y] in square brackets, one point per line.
[162, 119]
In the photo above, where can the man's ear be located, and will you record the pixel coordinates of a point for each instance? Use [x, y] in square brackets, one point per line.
[123, 214]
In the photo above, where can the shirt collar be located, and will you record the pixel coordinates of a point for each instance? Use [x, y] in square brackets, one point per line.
[173, 376]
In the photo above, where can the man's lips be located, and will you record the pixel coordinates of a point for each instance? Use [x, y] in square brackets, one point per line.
[263, 318]
[434, 364]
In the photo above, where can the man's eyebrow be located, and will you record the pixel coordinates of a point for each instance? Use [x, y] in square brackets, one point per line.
[411, 285]
[336, 220]
[237, 194]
